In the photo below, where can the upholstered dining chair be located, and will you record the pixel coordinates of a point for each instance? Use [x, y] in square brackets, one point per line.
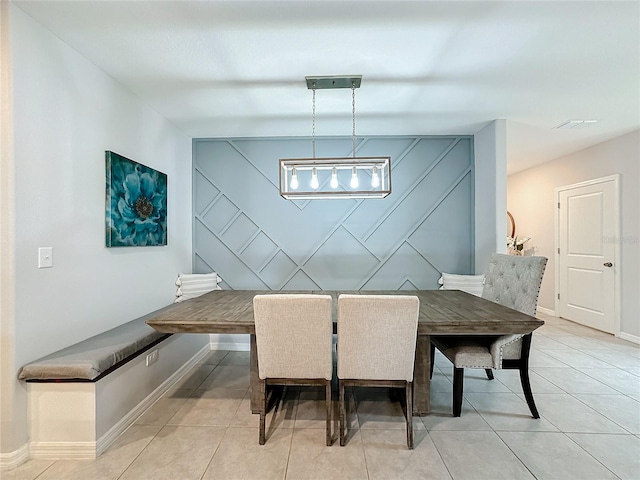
[376, 347]
[514, 282]
[294, 345]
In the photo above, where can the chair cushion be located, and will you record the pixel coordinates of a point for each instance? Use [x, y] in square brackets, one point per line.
[466, 352]
[479, 351]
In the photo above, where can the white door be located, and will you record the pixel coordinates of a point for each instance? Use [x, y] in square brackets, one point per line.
[587, 237]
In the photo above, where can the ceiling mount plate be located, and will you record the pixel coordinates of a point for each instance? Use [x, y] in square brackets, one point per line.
[333, 81]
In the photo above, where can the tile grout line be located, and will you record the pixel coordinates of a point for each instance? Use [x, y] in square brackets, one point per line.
[140, 453]
[435, 445]
[587, 452]
[214, 452]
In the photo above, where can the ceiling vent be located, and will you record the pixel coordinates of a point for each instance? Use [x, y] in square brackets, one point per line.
[575, 124]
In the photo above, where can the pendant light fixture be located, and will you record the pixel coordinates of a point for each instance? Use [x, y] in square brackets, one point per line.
[335, 177]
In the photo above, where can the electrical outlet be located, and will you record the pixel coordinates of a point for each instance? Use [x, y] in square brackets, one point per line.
[152, 357]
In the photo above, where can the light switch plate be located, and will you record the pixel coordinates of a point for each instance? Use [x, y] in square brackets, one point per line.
[45, 257]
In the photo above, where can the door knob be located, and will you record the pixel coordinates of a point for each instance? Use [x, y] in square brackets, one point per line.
[608, 264]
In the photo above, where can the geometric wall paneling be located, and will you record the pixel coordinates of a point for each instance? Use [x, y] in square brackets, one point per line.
[263, 152]
[450, 219]
[428, 185]
[301, 281]
[208, 192]
[256, 239]
[408, 170]
[200, 265]
[259, 251]
[419, 273]
[224, 261]
[278, 270]
[341, 262]
[220, 214]
[239, 232]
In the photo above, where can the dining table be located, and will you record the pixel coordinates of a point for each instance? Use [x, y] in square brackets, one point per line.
[442, 312]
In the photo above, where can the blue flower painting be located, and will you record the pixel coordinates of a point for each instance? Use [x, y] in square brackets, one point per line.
[136, 203]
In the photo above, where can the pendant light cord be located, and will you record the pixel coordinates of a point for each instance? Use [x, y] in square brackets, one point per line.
[353, 117]
[313, 122]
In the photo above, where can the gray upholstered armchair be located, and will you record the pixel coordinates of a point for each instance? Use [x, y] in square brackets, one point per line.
[514, 282]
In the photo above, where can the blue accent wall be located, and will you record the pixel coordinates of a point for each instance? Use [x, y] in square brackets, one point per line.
[255, 239]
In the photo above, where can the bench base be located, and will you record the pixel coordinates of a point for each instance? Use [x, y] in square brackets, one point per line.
[81, 420]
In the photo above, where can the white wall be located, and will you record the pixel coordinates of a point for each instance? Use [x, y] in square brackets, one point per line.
[65, 114]
[7, 193]
[490, 145]
[532, 202]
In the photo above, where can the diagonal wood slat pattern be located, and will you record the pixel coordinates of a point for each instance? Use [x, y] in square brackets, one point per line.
[255, 239]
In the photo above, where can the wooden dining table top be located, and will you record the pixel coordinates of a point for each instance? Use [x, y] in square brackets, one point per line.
[442, 312]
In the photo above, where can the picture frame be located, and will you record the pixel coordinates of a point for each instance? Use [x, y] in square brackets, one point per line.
[136, 203]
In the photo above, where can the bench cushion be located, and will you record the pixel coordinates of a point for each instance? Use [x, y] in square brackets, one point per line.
[90, 358]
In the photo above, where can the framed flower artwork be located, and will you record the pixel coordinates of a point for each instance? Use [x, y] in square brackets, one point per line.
[136, 203]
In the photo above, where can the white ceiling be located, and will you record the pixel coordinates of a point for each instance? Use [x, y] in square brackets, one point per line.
[237, 68]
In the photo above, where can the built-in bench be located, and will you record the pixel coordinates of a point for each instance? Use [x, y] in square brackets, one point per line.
[83, 397]
[95, 357]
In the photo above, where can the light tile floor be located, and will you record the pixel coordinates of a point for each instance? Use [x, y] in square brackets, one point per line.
[586, 384]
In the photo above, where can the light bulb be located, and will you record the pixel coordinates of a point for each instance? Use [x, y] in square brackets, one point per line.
[314, 178]
[334, 178]
[354, 179]
[294, 179]
[375, 178]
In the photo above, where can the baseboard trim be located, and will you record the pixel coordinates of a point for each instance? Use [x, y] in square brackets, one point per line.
[66, 450]
[236, 343]
[118, 429]
[629, 337]
[11, 460]
[234, 347]
[547, 311]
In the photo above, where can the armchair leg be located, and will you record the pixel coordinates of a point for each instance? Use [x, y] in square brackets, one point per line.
[433, 358]
[458, 382]
[263, 413]
[524, 374]
[489, 373]
[409, 409]
[343, 412]
[328, 405]
[528, 394]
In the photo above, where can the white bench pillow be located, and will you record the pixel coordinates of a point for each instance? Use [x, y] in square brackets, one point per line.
[472, 284]
[192, 285]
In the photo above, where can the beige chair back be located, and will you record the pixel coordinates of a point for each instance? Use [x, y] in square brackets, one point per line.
[294, 336]
[377, 336]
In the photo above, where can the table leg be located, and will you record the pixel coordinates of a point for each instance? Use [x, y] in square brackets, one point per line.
[256, 385]
[421, 376]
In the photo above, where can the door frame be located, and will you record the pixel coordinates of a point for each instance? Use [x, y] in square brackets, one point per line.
[617, 300]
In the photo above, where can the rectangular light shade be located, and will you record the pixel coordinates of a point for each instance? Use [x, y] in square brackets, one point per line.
[335, 178]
